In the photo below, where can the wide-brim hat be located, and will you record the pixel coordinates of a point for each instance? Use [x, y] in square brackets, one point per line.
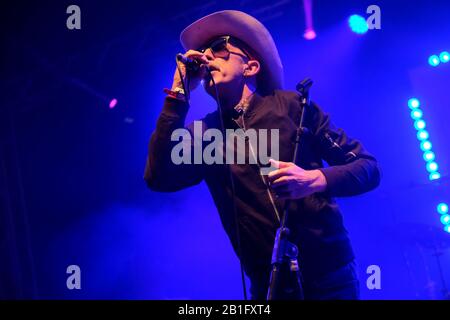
[245, 28]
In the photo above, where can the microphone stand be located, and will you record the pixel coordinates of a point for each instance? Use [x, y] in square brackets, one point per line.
[285, 253]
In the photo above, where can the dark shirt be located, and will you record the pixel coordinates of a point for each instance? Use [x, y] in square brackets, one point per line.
[315, 221]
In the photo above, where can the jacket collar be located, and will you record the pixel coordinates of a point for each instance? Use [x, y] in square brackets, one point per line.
[252, 105]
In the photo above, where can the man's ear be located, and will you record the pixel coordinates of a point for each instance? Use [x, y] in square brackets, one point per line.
[253, 68]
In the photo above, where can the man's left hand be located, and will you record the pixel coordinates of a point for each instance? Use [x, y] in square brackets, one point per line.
[290, 181]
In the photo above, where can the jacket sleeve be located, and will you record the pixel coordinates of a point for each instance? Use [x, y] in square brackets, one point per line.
[352, 170]
[161, 174]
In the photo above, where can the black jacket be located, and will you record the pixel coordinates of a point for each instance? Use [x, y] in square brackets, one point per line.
[315, 221]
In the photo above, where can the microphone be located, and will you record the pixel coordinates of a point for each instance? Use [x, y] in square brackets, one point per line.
[190, 64]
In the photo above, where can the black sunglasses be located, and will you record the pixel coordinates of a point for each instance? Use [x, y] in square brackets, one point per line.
[219, 48]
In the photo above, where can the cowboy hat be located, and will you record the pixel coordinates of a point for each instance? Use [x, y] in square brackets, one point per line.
[248, 30]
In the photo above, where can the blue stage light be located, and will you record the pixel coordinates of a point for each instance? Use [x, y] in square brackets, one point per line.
[422, 135]
[358, 24]
[444, 57]
[416, 114]
[413, 103]
[419, 124]
[434, 60]
[442, 208]
[429, 156]
[432, 166]
[425, 145]
[445, 219]
[434, 176]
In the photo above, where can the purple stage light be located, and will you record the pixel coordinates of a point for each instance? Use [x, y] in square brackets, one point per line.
[309, 34]
[112, 103]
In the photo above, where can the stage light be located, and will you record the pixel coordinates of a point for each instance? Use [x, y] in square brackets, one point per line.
[419, 124]
[434, 176]
[442, 208]
[416, 114]
[434, 60]
[112, 103]
[429, 156]
[309, 34]
[432, 167]
[445, 219]
[422, 135]
[358, 24]
[444, 57]
[425, 145]
[413, 103]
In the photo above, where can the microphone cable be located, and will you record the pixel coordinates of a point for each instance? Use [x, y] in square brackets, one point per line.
[233, 187]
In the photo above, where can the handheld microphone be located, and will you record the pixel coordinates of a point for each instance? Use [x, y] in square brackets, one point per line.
[190, 64]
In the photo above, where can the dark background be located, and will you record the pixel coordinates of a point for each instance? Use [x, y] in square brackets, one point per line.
[71, 168]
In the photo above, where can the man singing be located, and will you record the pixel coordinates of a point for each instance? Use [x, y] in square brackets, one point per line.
[241, 69]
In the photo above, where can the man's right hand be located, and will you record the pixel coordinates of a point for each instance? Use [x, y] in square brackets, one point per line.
[194, 77]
